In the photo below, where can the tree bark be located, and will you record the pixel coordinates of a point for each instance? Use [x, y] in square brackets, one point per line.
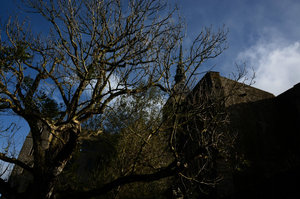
[51, 154]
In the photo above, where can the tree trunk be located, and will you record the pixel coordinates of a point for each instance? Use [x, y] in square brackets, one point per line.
[51, 154]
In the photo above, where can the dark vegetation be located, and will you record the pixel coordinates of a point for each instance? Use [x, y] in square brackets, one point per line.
[97, 81]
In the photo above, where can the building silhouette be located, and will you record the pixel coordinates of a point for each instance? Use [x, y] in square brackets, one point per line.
[267, 130]
[267, 135]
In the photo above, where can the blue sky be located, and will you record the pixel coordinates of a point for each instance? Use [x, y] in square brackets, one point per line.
[263, 33]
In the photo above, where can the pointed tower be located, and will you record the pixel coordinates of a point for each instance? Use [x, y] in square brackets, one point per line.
[179, 90]
[180, 77]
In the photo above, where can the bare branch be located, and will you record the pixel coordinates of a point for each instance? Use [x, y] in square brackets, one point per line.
[16, 162]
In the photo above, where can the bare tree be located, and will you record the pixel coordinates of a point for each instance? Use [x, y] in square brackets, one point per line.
[95, 51]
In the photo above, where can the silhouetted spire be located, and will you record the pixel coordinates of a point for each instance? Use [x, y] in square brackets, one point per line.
[180, 73]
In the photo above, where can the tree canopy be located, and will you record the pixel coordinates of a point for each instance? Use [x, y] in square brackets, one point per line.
[95, 51]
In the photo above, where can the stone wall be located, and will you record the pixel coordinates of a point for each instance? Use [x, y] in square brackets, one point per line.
[268, 136]
[19, 177]
[269, 142]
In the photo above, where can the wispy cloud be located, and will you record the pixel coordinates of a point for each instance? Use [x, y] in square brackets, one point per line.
[276, 64]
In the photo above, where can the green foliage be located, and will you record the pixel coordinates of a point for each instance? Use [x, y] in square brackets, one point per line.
[49, 107]
[130, 144]
[27, 82]
[143, 107]
[90, 165]
[11, 54]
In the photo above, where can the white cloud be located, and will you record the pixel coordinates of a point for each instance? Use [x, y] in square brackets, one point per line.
[112, 84]
[276, 64]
